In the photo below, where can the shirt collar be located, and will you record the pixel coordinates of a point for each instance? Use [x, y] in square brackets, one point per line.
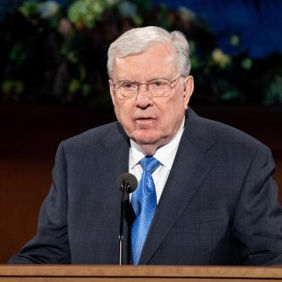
[165, 154]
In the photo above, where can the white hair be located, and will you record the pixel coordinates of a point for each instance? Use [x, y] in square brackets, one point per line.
[137, 40]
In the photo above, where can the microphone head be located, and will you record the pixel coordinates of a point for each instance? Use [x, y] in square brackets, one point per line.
[127, 182]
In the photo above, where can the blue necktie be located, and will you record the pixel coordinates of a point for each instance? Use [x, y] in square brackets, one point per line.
[144, 203]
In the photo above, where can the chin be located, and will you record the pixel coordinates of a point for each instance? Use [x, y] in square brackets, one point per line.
[145, 137]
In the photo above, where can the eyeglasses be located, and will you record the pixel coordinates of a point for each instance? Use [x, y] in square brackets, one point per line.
[126, 89]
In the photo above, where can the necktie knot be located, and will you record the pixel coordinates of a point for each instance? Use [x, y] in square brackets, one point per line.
[149, 164]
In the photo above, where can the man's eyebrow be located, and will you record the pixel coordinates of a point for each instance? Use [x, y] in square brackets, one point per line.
[136, 81]
[127, 80]
[164, 78]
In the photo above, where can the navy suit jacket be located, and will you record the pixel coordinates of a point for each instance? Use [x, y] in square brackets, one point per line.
[219, 205]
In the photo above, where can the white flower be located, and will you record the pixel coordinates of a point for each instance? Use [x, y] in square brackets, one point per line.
[220, 59]
[48, 9]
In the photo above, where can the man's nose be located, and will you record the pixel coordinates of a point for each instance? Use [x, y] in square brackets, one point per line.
[144, 97]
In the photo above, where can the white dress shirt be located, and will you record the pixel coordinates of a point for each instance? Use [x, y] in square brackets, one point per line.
[165, 155]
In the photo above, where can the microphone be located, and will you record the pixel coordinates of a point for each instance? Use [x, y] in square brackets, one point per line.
[127, 183]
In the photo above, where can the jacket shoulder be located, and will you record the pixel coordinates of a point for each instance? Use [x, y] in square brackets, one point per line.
[96, 136]
[224, 135]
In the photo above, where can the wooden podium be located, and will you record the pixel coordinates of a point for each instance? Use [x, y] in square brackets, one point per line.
[87, 273]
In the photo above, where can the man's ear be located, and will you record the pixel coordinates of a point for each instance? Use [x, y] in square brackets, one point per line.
[112, 91]
[188, 90]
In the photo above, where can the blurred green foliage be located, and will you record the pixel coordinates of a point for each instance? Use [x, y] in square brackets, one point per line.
[53, 53]
[87, 12]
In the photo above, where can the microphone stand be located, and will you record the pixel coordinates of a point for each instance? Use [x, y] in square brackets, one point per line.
[127, 183]
[120, 237]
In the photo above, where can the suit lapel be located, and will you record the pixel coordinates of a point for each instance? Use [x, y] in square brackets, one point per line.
[116, 151]
[192, 163]
[116, 145]
[114, 161]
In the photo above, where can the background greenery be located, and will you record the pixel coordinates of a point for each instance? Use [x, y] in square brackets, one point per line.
[55, 52]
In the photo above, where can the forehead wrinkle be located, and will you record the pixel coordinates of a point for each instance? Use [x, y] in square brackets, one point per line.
[128, 70]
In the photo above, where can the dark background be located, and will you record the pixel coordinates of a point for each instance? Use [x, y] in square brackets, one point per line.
[54, 83]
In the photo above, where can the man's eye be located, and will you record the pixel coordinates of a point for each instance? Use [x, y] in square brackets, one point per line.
[129, 85]
[158, 83]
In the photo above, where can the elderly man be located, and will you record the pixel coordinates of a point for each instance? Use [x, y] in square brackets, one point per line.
[205, 196]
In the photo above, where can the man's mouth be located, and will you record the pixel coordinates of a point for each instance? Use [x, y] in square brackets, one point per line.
[144, 118]
[144, 121]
